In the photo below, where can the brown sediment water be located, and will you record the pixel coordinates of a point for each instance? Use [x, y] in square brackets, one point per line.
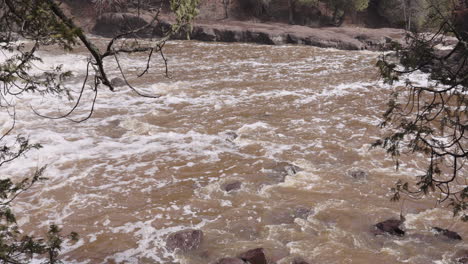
[142, 168]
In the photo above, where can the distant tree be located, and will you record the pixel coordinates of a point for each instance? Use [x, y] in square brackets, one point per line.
[341, 8]
[292, 7]
[103, 6]
[412, 14]
[26, 26]
[226, 4]
[430, 116]
[257, 7]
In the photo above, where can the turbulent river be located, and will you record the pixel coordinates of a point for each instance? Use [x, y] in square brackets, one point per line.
[143, 168]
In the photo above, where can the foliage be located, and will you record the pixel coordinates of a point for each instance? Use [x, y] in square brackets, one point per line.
[342, 7]
[110, 5]
[257, 7]
[430, 117]
[27, 26]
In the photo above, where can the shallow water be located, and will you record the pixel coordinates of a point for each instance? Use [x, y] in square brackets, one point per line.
[143, 168]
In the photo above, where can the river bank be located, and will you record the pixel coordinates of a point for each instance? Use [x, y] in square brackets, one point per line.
[270, 33]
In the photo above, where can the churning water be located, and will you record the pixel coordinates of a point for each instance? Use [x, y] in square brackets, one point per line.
[142, 168]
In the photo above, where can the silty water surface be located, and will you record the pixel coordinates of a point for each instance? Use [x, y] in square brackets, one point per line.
[142, 168]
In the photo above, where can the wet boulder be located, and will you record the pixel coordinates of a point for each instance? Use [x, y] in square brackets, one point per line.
[184, 240]
[390, 226]
[358, 174]
[233, 186]
[283, 169]
[299, 261]
[231, 136]
[288, 168]
[461, 256]
[302, 212]
[254, 256]
[203, 34]
[451, 235]
[230, 261]
[117, 82]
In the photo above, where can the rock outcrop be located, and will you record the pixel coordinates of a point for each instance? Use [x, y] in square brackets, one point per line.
[233, 186]
[283, 169]
[117, 82]
[347, 38]
[184, 240]
[230, 261]
[461, 256]
[451, 235]
[299, 261]
[390, 226]
[254, 256]
[279, 34]
[358, 174]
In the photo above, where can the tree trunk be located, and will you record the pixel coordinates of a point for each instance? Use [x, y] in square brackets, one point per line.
[139, 3]
[341, 20]
[291, 11]
[226, 6]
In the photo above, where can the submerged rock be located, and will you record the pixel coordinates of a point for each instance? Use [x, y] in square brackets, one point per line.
[286, 215]
[230, 261]
[390, 226]
[231, 136]
[254, 256]
[302, 212]
[232, 186]
[358, 174]
[117, 82]
[447, 233]
[283, 169]
[299, 261]
[461, 256]
[184, 240]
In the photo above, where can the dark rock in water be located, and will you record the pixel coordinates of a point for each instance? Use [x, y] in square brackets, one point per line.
[184, 240]
[254, 256]
[447, 233]
[203, 34]
[117, 82]
[461, 256]
[230, 261]
[299, 261]
[302, 212]
[231, 136]
[358, 174]
[232, 186]
[288, 168]
[390, 226]
[283, 169]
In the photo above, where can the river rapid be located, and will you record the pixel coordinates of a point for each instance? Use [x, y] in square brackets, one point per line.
[143, 168]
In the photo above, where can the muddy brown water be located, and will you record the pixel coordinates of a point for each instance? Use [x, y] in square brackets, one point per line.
[142, 168]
